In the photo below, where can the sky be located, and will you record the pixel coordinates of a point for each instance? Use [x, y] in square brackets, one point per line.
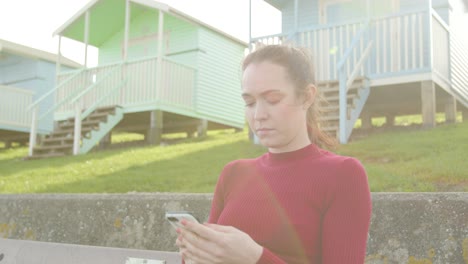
[33, 22]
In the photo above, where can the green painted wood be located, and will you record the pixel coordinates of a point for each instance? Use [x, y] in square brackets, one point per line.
[104, 127]
[180, 40]
[106, 19]
[214, 86]
[218, 79]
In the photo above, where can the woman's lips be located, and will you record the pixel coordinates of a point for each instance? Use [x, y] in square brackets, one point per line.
[264, 131]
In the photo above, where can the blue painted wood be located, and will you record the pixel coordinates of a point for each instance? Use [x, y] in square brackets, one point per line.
[30, 74]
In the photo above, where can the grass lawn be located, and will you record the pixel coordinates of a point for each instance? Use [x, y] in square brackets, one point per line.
[407, 161]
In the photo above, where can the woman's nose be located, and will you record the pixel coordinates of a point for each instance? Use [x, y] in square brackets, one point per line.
[260, 111]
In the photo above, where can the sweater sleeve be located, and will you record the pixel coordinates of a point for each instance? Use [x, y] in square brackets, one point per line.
[269, 258]
[346, 222]
[217, 204]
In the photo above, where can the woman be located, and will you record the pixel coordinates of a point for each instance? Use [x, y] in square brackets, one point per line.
[297, 203]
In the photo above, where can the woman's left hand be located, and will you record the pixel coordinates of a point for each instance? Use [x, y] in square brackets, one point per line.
[211, 243]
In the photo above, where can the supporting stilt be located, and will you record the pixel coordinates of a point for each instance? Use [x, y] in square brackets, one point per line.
[106, 140]
[366, 120]
[428, 103]
[464, 111]
[202, 128]
[155, 130]
[450, 110]
[390, 120]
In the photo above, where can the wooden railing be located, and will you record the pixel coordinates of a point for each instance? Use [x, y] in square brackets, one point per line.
[13, 106]
[402, 44]
[130, 83]
[349, 67]
[175, 87]
[440, 47]
[327, 44]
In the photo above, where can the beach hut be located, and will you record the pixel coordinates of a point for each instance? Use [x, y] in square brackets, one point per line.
[159, 71]
[26, 74]
[381, 58]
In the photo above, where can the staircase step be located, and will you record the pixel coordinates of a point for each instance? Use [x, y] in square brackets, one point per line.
[84, 124]
[336, 89]
[57, 140]
[329, 108]
[60, 141]
[337, 97]
[329, 118]
[44, 156]
[55, 147]
[102, 117]
[105, 109]
[329, 128]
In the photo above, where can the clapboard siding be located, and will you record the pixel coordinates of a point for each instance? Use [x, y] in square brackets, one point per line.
[218, 82]
[459, 54]
[179, 36]
[33, 76]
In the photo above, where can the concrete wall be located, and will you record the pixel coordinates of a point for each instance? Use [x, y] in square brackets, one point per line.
[405, 228]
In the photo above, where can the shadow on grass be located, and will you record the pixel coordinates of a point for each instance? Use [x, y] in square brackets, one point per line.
[17, 165]
[173, 175]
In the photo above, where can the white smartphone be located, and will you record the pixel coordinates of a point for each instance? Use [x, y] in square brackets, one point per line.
[174, 218]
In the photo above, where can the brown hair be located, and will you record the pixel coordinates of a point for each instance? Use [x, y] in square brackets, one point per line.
[299, 67]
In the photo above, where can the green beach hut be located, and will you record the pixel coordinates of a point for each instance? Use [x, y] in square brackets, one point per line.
[159, 71]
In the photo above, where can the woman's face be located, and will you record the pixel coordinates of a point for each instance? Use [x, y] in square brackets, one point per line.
[273, 110]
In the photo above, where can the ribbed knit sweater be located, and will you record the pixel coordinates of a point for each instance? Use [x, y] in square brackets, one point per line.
[305, 206]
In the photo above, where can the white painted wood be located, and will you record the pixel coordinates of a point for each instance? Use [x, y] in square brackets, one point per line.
[401, 79]
[406, 46]
[421, 40]
[126, 29]
[413, 41]
[86, 38]
[33, 132]
[14, 107]
[77, 130]
[159, 59]
[357, 66]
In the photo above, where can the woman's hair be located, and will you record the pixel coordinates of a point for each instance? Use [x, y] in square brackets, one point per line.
[298, 65]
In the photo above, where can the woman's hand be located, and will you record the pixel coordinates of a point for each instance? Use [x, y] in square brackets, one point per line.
[210, 243]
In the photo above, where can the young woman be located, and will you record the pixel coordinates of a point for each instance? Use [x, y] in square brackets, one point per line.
[297, 203]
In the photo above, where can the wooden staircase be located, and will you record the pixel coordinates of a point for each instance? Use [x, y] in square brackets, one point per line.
[93, 128]
[329, 105]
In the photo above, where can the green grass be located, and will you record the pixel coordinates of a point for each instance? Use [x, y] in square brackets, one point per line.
[410, 161]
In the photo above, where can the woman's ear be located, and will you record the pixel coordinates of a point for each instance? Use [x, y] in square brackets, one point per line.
[309, 96]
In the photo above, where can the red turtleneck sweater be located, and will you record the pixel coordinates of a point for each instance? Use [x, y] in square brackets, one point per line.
[305, 206]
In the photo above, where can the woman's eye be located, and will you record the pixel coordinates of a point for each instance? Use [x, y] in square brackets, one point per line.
[273, 100]
[249, 104]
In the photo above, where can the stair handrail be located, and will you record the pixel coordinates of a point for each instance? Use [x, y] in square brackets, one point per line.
[92, 86]
[346, 81]
[40, 99]
[79, 116]
[94, 106]
[33, 107]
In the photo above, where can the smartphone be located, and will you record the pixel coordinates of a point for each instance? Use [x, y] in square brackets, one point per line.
[174, 218]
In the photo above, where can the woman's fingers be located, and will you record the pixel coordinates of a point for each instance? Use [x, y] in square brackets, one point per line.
[200, 229]
[195, 248]
[220, 228]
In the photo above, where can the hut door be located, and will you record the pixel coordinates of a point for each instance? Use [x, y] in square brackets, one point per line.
[390, 29]
[332, 12]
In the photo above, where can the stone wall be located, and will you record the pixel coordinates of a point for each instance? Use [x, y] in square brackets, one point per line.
[405, 227]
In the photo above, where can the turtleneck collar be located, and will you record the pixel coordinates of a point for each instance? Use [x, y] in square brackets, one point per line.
[275, 159]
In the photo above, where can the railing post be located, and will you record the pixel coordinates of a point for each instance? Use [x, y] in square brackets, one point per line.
[77, 129]
[33, 132]
[343, 105]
